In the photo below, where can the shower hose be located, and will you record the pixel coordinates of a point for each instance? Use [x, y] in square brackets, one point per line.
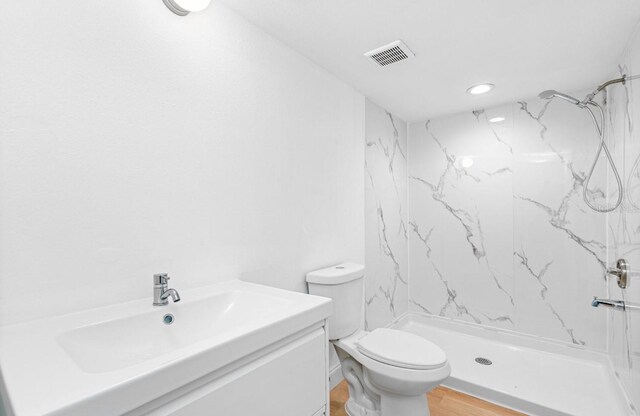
[600, 128]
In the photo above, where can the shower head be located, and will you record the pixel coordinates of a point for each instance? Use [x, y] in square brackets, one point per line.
[549, 94]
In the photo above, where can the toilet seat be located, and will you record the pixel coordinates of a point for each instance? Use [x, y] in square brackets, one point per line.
[401, 349]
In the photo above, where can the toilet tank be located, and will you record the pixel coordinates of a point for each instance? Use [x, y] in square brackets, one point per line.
[344, 285]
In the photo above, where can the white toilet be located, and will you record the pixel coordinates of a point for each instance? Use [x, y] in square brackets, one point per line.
[388, 371]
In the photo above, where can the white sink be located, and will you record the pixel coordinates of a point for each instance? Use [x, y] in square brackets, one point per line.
[123, 356]
[122, 342]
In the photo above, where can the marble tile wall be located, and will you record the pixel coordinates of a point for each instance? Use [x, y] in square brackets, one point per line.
[624, 224]
[498, 232]
[386, 234]
[485, 222]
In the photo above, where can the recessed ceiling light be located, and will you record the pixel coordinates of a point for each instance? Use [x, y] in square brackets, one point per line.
[480, 89]
[496, 119]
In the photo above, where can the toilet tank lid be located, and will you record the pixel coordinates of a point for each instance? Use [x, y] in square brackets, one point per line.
[335, 275]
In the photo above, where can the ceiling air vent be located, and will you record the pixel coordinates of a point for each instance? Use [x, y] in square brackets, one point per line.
[389, 54]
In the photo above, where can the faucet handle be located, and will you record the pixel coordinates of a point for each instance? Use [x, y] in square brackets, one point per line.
[621, 272]
[160, 279]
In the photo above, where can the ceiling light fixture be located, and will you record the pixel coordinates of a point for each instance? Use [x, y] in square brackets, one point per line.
[480, 89]
[184, 7]
[496, 119]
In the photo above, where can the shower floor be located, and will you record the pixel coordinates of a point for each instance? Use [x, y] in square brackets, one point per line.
[534, 376]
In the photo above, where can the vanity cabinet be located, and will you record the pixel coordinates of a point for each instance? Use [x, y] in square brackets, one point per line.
[233, 349]
[291, 380]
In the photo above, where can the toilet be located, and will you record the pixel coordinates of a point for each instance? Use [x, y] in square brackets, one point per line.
[388, 371]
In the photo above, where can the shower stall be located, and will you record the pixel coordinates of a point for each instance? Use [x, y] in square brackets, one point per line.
[494, 233]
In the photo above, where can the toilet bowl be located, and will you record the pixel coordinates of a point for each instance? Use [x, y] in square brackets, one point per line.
[388, 371]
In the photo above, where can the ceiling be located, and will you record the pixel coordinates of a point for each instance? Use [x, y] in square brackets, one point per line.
[521, 46]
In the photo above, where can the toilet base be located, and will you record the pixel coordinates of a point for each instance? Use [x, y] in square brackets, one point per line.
[354, 409]
[404, 405]
[415, 406]
[390, 405]
[367, 400]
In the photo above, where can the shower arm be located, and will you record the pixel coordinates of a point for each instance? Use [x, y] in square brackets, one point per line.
[622, 80]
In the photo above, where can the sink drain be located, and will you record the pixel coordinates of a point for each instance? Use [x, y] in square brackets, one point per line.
[168, 319]
[483, 361]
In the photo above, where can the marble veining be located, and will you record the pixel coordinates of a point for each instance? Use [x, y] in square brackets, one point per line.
[484, 222]
[485, 119]
[557, 220]
[499, 235]
[386, 284]
[451, 301]
[524, 261]
[623, 231]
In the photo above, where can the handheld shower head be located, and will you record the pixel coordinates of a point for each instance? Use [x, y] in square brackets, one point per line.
[586, 104]
[549, 94]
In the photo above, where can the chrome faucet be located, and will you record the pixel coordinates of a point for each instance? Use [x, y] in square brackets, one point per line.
[618, 305]
[161, 291]
[614, 304]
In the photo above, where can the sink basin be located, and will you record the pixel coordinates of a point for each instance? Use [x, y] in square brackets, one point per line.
[122, 342]
[103, 361]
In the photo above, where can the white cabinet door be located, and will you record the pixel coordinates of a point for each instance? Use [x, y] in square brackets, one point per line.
[288, 382]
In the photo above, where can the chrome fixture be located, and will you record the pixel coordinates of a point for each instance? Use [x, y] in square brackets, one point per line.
[483, 361]
[621, 271]
[161, 291]
[549, 94]
[168, 319]
[618, 305]
[614, 304]
[600, 128]
[622, 81]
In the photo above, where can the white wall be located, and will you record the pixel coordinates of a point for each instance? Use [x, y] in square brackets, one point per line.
[385, 216]
[134, 141]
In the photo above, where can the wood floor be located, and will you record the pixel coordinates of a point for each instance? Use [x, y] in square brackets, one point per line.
[442, 402]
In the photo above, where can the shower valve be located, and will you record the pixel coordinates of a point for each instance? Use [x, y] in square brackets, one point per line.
[621, 271]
